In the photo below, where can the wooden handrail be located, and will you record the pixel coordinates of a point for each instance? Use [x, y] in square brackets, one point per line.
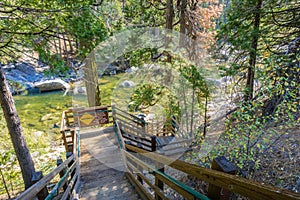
[131, 115]
[242, 186]
[72, 171]
[31, 192]
[71, 184]
[128, 125]
[62, 181]
[92, 108]
[176, 142]
[178, 186]
[63, 122]
[136, 166]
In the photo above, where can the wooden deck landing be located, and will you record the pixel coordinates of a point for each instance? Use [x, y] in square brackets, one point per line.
[102, 168]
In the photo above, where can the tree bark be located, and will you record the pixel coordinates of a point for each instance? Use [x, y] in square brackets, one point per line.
[182, 22]
[169, 25]
[16, 131]
[169, 15]
[205, 116]
[253, 51]
[91, 82]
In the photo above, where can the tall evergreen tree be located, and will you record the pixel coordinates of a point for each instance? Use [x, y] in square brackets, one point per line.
[239, 38]
[43, 27]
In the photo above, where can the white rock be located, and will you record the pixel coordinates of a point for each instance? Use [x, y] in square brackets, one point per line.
[128, 84]
[35, 154]
[46, 117]
[131, 69]
[50, 85]
[149, 117]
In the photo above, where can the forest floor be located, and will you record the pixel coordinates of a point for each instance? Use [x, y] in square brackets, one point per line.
[279, 167]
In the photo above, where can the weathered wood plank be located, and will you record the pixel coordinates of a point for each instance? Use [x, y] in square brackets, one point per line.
[144, 194]
[154, 187]
[37, 187]
[102, 167]
[245, 187]
[70, 186]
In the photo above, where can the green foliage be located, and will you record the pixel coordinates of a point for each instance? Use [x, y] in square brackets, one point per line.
[58, 65]
[44, 24]
[140, 56]
[151, 94]
[112, 15]
[142, 13]
[192, 74]
[87, 29]
[256, 130]
[145, 96]
[41, 136]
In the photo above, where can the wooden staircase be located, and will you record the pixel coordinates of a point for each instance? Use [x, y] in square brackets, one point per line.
[103, 160]
[102, 168]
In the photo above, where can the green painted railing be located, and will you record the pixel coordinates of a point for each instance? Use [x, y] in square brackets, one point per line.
[55, 191]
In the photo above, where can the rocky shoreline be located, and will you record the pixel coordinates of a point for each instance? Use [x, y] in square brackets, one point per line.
[24, 77]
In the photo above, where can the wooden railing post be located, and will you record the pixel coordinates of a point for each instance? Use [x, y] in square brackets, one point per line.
[140, 170]
[223, 165]
[69, 154]
[35, 178]
[59, 161]
[158, 182]
[153, 143]
[72, 131]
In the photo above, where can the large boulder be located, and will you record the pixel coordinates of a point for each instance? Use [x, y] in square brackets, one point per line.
[52, 85]
[24, 76]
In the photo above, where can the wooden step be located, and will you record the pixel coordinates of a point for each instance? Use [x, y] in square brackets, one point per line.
[102, 168]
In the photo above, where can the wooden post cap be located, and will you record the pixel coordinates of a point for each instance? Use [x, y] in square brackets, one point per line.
[69, 154]
[36, 176]
[222, 164]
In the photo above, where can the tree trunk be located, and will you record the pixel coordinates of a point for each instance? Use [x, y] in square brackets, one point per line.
[253, 51]
[205, 116]
[91, 82]
[182, 22]
[16, 131]
[169, 25]
[169, 15]
[192, 113]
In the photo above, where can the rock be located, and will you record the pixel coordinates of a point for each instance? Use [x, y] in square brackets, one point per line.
[33, 90]
[131, 69]
[111, 70]
[24, 76]
[52, 85]
[38, 133]
[22, 73]
[46, 117]
[215, 82]
[79, 90]
[82, 90]
[149, 117]
[297, 186]
[128, 84]
[35, 154]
